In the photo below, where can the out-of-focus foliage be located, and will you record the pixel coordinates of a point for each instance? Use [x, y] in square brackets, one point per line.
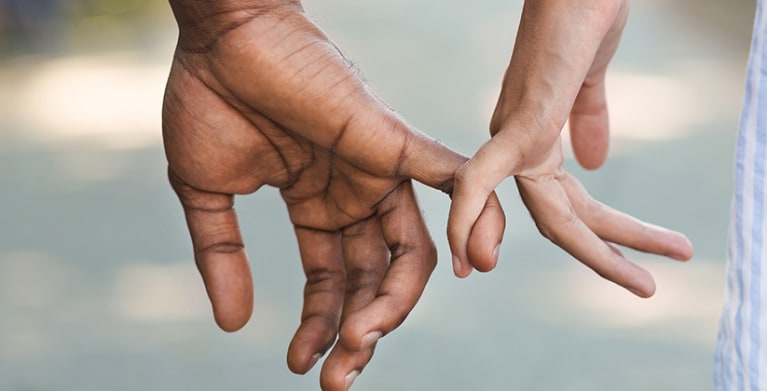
[49, 26]
[115, 8]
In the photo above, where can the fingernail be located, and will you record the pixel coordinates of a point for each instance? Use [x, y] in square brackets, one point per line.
[497, 251]
[456, 265]
[314, 360]
[351, 377]
[370, 338]
[639, 292]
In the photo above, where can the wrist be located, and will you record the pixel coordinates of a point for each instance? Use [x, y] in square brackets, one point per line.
[201, 22]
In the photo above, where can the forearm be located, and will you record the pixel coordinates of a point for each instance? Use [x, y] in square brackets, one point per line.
[558, 42]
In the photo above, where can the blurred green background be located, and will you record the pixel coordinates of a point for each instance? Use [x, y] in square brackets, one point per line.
[97, 285]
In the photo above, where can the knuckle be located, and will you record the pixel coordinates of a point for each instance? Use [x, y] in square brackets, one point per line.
[556, 229]
[221, 248]
[426, 252]
[196, 199]
[461, 177]
[324, 280]
[362, 279]
[594, 208]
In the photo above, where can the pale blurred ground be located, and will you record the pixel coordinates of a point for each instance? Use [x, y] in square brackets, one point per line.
[98, 290]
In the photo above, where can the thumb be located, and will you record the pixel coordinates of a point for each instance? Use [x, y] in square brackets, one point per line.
[589, 125]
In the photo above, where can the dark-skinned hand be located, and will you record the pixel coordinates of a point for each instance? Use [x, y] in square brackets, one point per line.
[258, 95]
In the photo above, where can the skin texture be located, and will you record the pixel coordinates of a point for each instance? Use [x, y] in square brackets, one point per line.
[557, 71]
[258, 95]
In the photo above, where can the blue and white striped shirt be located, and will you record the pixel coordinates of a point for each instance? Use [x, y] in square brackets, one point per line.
[741, 351]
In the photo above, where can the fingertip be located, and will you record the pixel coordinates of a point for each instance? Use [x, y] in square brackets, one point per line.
[641, 283]
[646, 289]
[312, 339]
[313, 361]
[232, 307]
[482, 260]
[684, 250]
[590, 128]
[590, 153]
[463, 275]
[302, 366]
[643, 294]
[301, 362]
[355, 337]
[350, 378]
[341, 368]
[353, 333]
[460, 269]
[296, 357]
[230, 289]
[629, 275]
[234, 320]
[308, 366]
[590, 162]
[370, 339]
[674, 245]
[340, 382]
[331, 381]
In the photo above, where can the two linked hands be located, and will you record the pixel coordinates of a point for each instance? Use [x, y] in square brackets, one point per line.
[258, 95]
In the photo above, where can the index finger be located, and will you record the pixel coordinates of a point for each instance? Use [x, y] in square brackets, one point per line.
[219, 252]
[473, 197]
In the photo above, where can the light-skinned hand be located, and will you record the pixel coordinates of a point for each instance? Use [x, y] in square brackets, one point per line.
[557, 71]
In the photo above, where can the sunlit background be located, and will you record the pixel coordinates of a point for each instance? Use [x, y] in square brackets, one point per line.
[98, 290]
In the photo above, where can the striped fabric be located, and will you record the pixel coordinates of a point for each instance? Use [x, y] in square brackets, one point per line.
[741, 351]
